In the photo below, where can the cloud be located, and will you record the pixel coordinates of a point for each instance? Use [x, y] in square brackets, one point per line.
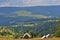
[11, 3]
[4, 4]
[42, 2]
[24, 3]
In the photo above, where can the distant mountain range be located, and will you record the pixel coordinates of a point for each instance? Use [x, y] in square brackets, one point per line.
[12, 15]
[42, 10]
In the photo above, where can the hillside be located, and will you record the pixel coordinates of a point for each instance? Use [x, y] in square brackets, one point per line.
[40, 20]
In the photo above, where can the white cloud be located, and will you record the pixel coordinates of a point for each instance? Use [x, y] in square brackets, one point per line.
[23, 3]
[42, 2]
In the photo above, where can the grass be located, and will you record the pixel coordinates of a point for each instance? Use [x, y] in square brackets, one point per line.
[30, 39]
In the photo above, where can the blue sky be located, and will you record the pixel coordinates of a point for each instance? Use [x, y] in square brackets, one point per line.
[26, 3]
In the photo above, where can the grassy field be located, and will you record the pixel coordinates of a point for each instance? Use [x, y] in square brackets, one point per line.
[30, 39]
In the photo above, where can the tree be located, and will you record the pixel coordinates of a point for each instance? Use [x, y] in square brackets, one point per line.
[6, 32]
[33, 33]
[57, 34]
[19, 33]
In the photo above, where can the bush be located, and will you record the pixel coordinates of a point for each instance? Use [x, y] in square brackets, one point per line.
[57, 34]
[33, 33]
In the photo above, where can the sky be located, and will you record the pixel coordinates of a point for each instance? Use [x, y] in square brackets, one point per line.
[27, 3]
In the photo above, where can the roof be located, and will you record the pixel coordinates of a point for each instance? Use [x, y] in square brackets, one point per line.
[27, 35]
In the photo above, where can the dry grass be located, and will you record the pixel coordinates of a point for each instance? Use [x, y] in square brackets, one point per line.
[30, 39]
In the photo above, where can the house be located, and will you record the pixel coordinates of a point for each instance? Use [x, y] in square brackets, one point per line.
[43, 37]
[26, 35]
[48, 36]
